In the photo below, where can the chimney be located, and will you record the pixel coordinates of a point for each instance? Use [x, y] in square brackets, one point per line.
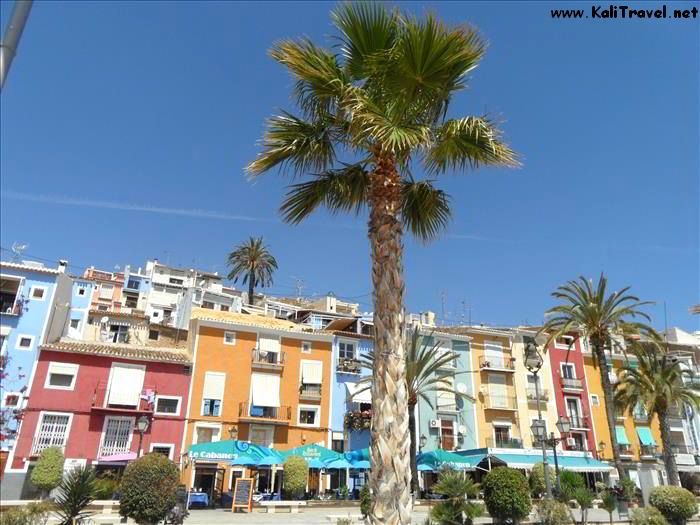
[62, 265]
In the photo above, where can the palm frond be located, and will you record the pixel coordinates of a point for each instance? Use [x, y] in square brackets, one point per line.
[425, 210]
[468, 142]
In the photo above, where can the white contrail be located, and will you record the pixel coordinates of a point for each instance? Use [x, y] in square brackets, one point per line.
[125, 206]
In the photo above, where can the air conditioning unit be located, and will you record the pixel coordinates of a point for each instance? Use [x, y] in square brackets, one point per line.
[434, 423]
[570, 442]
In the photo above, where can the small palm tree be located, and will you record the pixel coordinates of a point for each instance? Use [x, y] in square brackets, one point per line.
[381, 100]
[253, 262]
[587, 311]
[423, 364]
[659, 385]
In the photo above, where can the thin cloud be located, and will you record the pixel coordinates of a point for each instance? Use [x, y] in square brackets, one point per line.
[126, 206]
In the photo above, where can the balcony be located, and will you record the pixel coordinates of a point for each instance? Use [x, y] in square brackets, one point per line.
[275, 415]
[648, 451]
[500, 402]
[571, 383]
[348, 366]
[310, 392]
[625, 451]
[263, 360]
[574, 446]
[101, 400]
[532, 394]
[504, 443]
[580, 422]
[640, 416]
[358, 420]
[682, 449]
[11, 302]
[499, 364]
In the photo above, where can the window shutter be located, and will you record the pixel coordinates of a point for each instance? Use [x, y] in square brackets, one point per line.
[266, 390]
[214, 383]
[126, 385]
[312, 372]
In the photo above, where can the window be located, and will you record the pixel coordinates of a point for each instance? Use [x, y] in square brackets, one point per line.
[119, 333]
[206, 433]
[61, 376]
[38, 293]
[25, 342]
[213, 393]
[167, 405]
[305, 348]
[346, 350]
[173, 280]
[595, 400]
[131, 302]
[568, 371]
[103, 308]
[116, 436]
[208, 304]
[132, 284]
[211, 407]
[75, 324]
[52, 431]
[224, 308]
[125, 385]
[338, 445]
[156, 314]
[163, 448]
[81, 291]
[11, 400]
[447, 434]
[106, 291]
[153, 335]
[229, 338]
[565, 342]
[501, 435]
[309, 416]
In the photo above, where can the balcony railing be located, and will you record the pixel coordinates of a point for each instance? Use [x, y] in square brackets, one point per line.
[505, 363]
[574, 446]
[682, 449]
[268, 360]
[504, 443]
[11, 304]
[625, 451]
[310, 392]
[42, 442]
[571, 382]
[532, 394]
[580, 421]
[500, 402]
[112, 447]
[349, 366]
[249, 411]
[648, 451]
[101, 399]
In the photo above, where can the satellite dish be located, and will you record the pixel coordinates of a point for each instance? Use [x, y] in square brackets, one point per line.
[461, 388]
[18, 249]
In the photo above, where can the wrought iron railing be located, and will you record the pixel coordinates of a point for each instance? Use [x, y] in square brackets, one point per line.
[247, 410]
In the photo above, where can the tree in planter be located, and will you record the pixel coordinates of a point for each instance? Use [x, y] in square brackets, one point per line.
[536, 479]
[676, 504]
[48, 471]
[553, 512]
[456, 509]
[365, 500]
[149, 489]
[587, 312]
[609, 504]
[296, 476]
[570, 482]
[76, 491]
[506, 494]
[584, 497]
[382, 99]
[659, 384]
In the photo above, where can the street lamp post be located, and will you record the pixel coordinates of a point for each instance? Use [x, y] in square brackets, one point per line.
[563, 426]
[533, 362]
[142, 425]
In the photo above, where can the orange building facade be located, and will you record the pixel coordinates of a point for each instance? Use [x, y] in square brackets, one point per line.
[256, 379]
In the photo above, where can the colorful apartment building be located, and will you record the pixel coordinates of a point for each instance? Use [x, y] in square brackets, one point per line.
[257, 379]
[88, 395]
[107, 292]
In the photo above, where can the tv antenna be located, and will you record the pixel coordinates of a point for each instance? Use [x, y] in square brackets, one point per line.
[299, 284]
[18, 249]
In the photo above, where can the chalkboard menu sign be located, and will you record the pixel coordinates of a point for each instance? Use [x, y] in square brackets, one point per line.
[243, 494]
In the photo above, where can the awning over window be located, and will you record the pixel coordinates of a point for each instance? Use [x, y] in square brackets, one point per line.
[214, 383]
[621, 436]
[362, 397]
[645, 436]
[312, 372]
[268, 343]
[126, 384]
[266, 390]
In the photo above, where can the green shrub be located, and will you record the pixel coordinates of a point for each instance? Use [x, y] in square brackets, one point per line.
[570, 482]
[537, 485]
[506, 494]
[456, 509]
[675, 503]
[584, 497]
[30, 514]
[48, 471]
[365, 500]
[105, 487]
[553, 512]
[609, 504]
[647, 516]
[149, 489]
[296, 474]
[76, 491]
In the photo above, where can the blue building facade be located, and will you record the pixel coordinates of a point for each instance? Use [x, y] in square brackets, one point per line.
[81, 297]
[34, 308]
[450, 423]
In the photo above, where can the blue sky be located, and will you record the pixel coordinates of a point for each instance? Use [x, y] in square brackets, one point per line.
[126, 126]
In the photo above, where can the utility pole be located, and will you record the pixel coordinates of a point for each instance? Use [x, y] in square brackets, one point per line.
[13, 32]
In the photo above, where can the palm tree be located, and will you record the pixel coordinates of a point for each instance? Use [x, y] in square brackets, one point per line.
[423, 363]
[382, 102]
[253, 262]
[659, 384]
[587, 312]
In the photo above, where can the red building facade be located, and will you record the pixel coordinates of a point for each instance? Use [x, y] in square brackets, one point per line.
[87, 398]
[571, 393]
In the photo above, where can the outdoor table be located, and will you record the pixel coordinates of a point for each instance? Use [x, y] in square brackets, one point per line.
[199, 499]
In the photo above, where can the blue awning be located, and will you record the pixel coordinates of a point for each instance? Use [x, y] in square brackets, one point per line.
[525, 461]
[621, 436]
[645, 436]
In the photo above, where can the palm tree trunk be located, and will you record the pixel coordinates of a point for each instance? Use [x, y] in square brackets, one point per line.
[667, 454]
[414, 463]
[251, 290]
[599, 349]
[390, 477]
